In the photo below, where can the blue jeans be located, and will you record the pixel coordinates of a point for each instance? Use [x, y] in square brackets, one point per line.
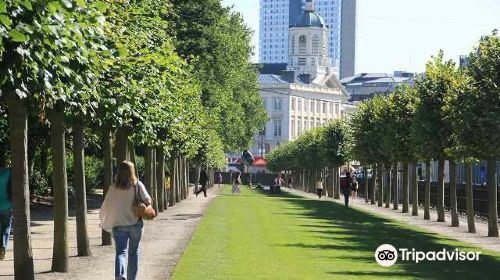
[5, 225]
[131, 235]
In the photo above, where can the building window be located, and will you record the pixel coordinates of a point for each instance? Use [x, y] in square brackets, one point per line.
[299, 126]
[262, 132]
[299, 104]
[318, 107]
[293, 127]
[302, 61]
[306, 124]
[293, 45]
[312, 106]
[315, 45]
[330, 108]
[324, 107]
[293, 104]
[277, 126]
[277, 104]
[337, 109]
[318, 122]
[302, 45]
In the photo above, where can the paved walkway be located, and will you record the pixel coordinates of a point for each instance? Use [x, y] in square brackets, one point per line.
[479, 239]
[164, 241]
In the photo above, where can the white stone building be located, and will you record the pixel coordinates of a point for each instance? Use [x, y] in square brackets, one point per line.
[308, 94]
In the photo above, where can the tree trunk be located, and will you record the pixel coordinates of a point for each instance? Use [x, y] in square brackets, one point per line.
[160, 177]
[59, 178]
[406, 193]
[395, 185]
[374, 184]
[453, 194]
[80, 190]
[381, 185]
[177, 181]
[108, 175]
[171, 191]
[492, 198]
[331, 183]
[131, 152]
[18, 135]
[469, 198]
[388, 193]
[148, 170]
[154, 194]
[440, 194]
[414, 188]
[121, 145]
[365, 177]
[427, 192]
[337, 183]
[197, 170]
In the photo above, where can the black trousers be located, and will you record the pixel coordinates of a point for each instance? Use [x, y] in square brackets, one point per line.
[202, 189]
[347, 193]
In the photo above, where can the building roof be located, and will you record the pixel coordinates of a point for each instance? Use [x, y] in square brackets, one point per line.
[272, 68]
[275, 79]
[309, 19]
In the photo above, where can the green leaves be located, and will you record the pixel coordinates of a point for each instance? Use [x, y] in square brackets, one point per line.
[17, 36]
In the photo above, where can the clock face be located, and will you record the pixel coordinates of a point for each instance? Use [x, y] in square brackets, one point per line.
[302, 39]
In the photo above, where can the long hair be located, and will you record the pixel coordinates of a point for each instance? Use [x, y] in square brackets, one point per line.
[125, 176]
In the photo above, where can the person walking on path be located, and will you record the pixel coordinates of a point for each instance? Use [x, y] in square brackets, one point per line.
[119, 218]
[237, 184]
[203, 183]
[218, 179]
[346, 186]
[319, 187]
[354, 187]
[5, 209]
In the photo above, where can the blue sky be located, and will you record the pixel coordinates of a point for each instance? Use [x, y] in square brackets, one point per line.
[403, 34]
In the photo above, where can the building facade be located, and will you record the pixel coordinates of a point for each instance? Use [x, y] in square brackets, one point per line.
[308, 93]
[363, 86]
[277, 15]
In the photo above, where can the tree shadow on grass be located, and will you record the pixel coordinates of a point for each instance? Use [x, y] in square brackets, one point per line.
[352, 231]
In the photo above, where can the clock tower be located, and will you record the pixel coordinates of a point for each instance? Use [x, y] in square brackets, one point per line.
[308, 45]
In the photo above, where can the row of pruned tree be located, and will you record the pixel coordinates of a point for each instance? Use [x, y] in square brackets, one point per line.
[172, 80]
[450, 114]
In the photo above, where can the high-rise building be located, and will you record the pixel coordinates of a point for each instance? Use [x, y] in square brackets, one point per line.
[348, 38]
[276, 16]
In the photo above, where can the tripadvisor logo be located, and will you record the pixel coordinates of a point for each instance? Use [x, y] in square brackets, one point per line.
[388, 255]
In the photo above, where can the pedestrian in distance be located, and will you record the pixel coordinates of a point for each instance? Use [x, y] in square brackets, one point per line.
[355, 185]
[5, 209]
[218, 179]
[346, 186]
[203, 183]
[237, 184]
[119, 217]
[319, 187]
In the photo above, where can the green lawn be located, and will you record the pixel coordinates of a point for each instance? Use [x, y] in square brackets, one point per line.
[256, 236]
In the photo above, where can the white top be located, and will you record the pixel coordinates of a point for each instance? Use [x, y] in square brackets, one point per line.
[319, 185]
[116, 210]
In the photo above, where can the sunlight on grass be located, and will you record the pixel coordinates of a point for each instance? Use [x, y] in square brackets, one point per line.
[256, 236]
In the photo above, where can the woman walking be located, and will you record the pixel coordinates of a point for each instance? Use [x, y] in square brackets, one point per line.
[5, 209]
[118, 217]
[319, 187]
[218, 179]
[237, 184]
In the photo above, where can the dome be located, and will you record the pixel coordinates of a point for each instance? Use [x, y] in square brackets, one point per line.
[309, 19]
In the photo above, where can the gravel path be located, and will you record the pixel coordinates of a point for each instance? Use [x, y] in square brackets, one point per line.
[479, 239]
[164, 241]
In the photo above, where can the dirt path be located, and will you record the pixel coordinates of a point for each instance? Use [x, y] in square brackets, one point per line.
[479, 239]
[163, 243]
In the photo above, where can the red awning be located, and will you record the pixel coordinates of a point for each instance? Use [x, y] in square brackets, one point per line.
[259, 162]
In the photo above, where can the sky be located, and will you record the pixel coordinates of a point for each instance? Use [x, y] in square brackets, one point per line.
[403, 34]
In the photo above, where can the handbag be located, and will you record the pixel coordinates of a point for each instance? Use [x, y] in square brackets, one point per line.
[143, 211]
